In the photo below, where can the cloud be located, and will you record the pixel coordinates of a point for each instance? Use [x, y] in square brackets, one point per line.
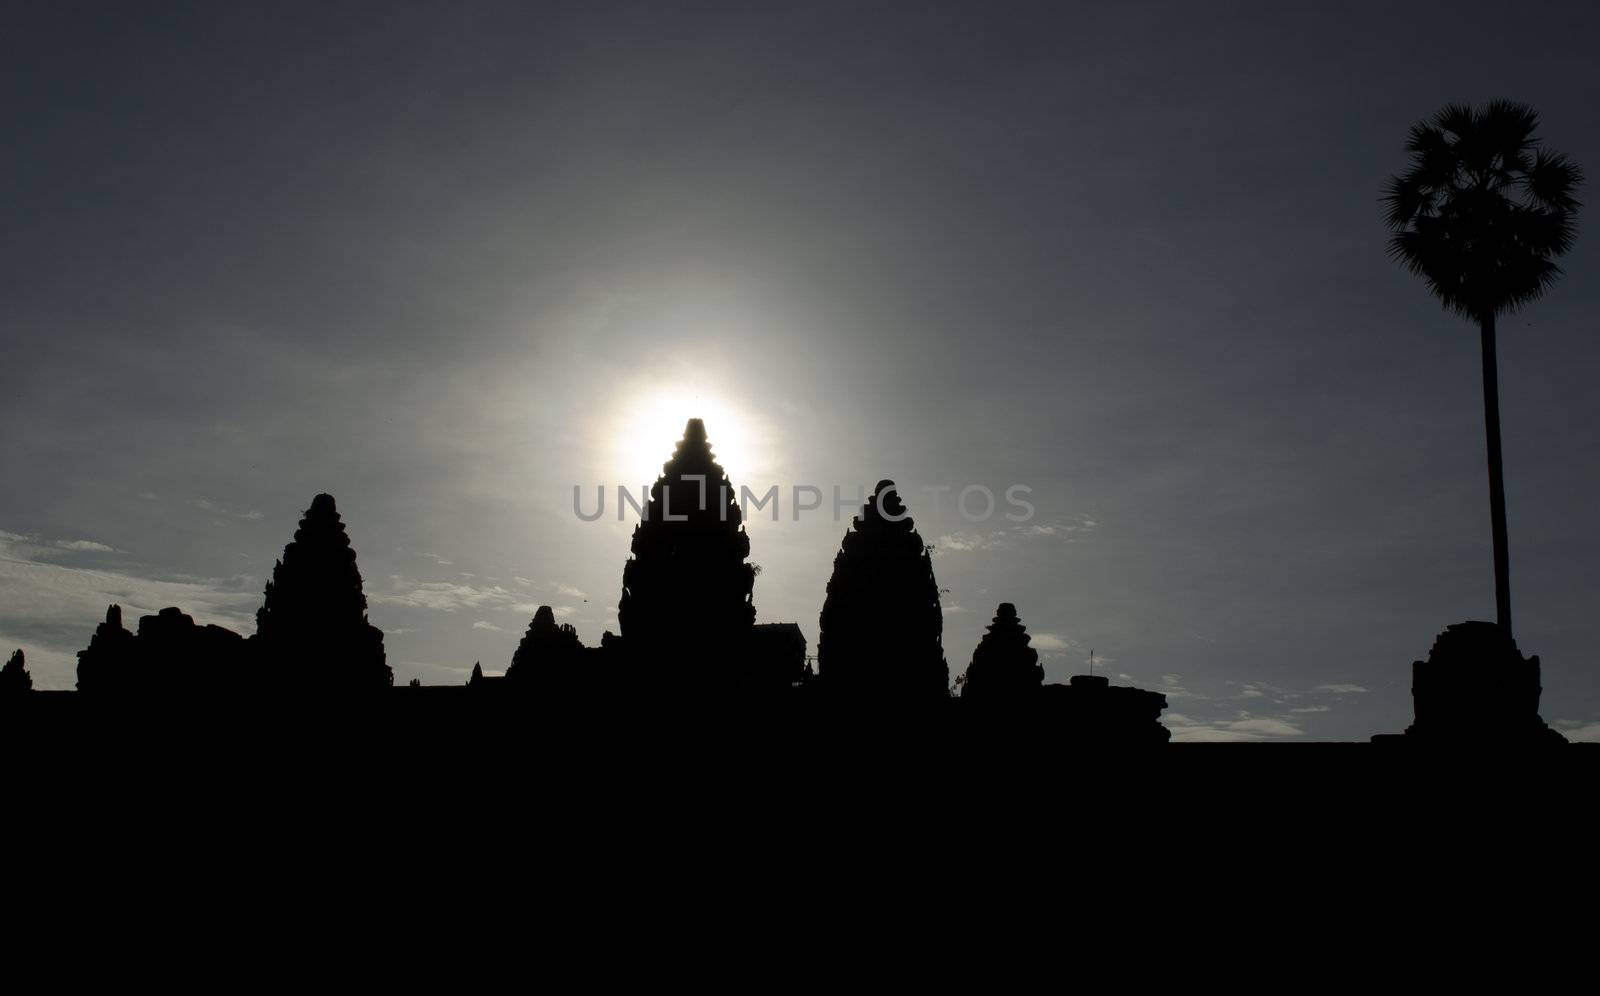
[1068, 531]
[441, 596]
[570, 592]
[563, 611]
[1312, 709]
[33, 548]
[968, 542]
[1050, 642]
[206, 505]
[1340, 689]
[486, 624]
[1001, 539]
[51, 609]
[952, 609]
[1244, 727]
[1578, 730]
[221, 510]
[1186, 730]
[1172, 687]
[1266, 726]
[83, 546]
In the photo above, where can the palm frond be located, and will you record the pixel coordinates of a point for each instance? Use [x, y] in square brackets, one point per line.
[1505, 129]
[1405, 198]
[1456, 119]
[1424, 137]
[1527, 282]
[1552, 180]
[1434, 161]
[1511, 117]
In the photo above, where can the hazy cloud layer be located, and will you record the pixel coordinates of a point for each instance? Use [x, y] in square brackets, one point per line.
[50, 604]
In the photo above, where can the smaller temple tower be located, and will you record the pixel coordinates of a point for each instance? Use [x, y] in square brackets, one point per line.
[1003, 666]
[881, 626]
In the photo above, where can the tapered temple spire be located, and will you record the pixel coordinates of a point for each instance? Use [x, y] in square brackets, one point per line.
[1004, 666]
[686, 591]
[881, 625]
[314, 615]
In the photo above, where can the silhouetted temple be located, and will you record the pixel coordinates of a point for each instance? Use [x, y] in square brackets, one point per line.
[312, 628]
[1476, 687]
[1005, 683]
[14, 677]
[686, 608]
[881, 624]
[314, 617]
[550, 657]
[169, 656]
[1003, 666]
[480, 682]
[689, 636]
[102, 666]
[1091, 708]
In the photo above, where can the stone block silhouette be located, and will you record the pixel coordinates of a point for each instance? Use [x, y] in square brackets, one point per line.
[1476, 687]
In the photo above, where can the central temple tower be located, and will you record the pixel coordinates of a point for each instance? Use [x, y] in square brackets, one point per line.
[686, 609]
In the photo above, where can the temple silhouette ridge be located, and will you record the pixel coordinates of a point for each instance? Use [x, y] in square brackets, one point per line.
[689, 636]
[689, 639]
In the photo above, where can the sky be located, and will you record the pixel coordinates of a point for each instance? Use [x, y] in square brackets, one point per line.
[449, 261]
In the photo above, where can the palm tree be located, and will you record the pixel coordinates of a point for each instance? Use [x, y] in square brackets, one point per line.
[1480, 215]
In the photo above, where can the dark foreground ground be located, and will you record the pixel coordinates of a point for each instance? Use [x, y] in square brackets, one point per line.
[694, 843]
[515, 748]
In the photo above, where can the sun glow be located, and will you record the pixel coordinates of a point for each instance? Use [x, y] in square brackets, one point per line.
[648, 426]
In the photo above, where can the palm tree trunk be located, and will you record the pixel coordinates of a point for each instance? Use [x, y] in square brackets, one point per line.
[1497, 484]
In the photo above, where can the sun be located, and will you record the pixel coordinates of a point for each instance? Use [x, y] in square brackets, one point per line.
[648, 426]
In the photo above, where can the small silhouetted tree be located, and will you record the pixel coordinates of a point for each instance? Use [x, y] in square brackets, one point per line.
[1003, 666]
[315, 614]
[1481, 215]
[686, 607]
[14, 677]
[549, 654]
[881, 625]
